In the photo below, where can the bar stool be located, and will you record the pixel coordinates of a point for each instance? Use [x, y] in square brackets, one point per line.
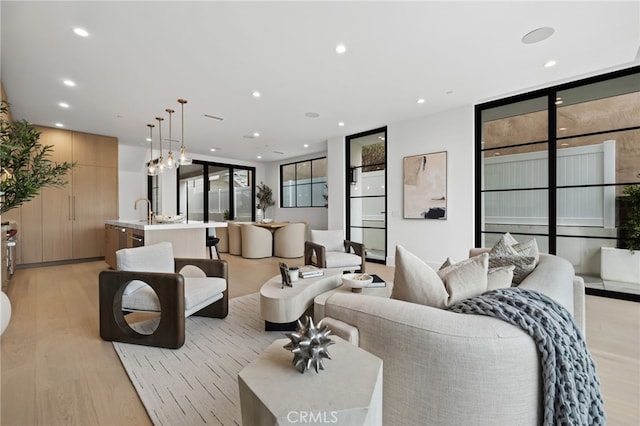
[213, 241]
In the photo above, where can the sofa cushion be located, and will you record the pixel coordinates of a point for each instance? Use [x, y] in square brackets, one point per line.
[416, 282]
[505, 253]
[465, 279]
[336, 259]
[151, 258]
[529, 248]
[501, 277]
[332, 240]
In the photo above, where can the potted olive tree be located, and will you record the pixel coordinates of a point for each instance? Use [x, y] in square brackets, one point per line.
[623, 264]
[265, 200]
[24, 164]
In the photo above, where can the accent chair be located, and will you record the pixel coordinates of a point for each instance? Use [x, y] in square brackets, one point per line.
[149, 279]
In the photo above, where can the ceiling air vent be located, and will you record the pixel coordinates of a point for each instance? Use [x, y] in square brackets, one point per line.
[214, 117]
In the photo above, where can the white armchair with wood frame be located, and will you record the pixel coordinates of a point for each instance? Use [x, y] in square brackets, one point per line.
[329, 249]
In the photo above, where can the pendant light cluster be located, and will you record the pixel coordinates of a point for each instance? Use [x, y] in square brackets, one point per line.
[159, 165]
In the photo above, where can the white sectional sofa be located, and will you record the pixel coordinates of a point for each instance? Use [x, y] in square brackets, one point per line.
[445, 368]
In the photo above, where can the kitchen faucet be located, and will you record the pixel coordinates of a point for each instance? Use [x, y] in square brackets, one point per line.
[150, 213]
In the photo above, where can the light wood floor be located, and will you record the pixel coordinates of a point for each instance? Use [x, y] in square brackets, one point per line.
[57, 371]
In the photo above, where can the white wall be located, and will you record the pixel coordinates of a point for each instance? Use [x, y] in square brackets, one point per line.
[433, 240]
[336, 181]
[132, 181]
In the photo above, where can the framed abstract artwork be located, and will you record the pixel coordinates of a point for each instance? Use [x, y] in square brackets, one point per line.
[425, 186]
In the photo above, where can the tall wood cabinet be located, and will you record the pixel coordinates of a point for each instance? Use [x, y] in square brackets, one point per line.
[68, 222]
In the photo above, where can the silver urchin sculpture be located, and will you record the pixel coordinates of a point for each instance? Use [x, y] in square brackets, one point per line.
[309, 345]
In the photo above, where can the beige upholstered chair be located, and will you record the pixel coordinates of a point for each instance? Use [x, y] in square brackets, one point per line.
[223, 235]
[168, 291]
[328, 249]
[257, 242]
[288, 241]
[235, 238]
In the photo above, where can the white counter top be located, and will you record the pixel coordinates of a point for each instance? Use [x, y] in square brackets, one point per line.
[144, 226]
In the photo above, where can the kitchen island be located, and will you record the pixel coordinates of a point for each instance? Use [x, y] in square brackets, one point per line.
[188, 238]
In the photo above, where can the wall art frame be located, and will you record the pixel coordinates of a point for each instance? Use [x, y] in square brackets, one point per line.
[425, 186]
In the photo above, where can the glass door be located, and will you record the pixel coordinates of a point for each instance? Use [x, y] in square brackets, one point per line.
[367, 199]
[216, 192]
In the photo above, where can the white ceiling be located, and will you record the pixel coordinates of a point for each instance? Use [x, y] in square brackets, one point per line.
[140, 57]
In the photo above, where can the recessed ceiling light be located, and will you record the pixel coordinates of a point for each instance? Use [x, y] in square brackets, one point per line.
[148, 139]
[255, 94]
[256, 134]
[59, 125]
[550, 64]
[306, 145]
[69, 83]
[64, 105]
[259, 157]
[81, 32]
[538, 35]
[311, 114]
[341, 48]
[341, 123]
[421, 100]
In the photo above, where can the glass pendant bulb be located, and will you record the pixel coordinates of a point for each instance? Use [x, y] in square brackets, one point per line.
[151, 167]
[183, 151]
[170, 164]
[160, 164]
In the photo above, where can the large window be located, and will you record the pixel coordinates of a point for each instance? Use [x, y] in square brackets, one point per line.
[304, 184]
[553, 165]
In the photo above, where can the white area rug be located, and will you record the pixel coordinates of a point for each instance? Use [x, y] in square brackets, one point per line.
[198, 383]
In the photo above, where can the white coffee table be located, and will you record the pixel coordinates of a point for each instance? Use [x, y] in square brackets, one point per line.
[347, 392]
[321, 299]
[281, 307]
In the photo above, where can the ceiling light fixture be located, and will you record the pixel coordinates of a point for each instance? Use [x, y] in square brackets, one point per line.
[81, 32]
[59, 125]
[537, 35]
[421, 100]
[183, 151]
[256, 134]
[259, 157]
[306, 145]
[256, 94]
[151, 167]
[550, 64]
[64, 105]
[69, 83]
[170, 162]
[341, 124]
[341, 48]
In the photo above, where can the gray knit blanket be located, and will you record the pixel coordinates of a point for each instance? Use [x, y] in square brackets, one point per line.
[570, 383]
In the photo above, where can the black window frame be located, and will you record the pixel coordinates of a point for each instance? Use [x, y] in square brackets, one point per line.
[296, 184]
[552, 143]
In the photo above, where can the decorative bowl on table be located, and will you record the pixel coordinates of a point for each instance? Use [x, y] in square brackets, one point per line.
[356, 281]
[267, 220]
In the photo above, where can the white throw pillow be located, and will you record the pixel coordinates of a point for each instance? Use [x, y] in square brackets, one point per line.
[500, 277]
[416, 282]
[331, 240]
[465, 279]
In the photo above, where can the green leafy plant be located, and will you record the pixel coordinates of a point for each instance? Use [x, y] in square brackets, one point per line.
[225, 214]
[631, 224]
[25, 166]
[265, 198]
